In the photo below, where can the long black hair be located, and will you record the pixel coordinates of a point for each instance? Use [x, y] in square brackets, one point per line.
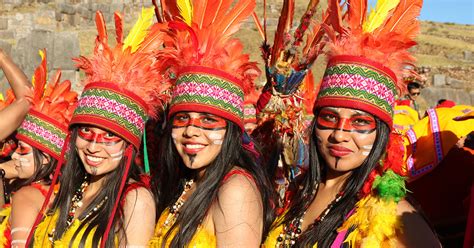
[168, 183]
[41, 171]
[73, 175]
[325, 231]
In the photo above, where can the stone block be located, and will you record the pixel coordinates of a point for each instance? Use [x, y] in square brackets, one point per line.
[27, 48]
[117, 7]
[3, 23]
[6, 47]
[73, 20]
[104, 8]
[85, 12]
[58, 16]
[439, 80]
[7, 34]
[66, 8]
[472, 97]
[467, 55]
[457, 84]
[66, 46]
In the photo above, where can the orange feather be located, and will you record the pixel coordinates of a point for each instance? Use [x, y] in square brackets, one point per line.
[335, 18]
[356, 13]
[101, 28]
[402, 17]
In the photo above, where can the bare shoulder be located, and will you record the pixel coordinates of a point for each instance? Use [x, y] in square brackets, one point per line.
[139, 198]
[27, 194]
[238, 185]
[416, 230]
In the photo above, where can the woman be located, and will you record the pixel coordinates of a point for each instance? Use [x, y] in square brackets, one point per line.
[102, 199]
[210, 189]
[353, 193]
[40, 139]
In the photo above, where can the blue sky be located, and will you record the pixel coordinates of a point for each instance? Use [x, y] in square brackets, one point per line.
[457, 11]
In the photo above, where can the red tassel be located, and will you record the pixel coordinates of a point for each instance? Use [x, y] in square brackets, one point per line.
[128, 155]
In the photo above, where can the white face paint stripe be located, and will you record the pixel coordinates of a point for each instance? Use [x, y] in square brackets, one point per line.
[215, 136]
[24, 162]
[367, 147]
[217, 142]
[116, 156]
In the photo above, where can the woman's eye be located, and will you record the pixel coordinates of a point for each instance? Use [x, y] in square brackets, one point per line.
[181, 117]
[85, 130]
[329, 117]
[109, 135]
[361, 122]
[209, 120]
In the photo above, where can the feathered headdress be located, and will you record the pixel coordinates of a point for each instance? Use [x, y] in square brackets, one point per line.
[52, 104]
[207, 67]
[367, 54]
[8, 145]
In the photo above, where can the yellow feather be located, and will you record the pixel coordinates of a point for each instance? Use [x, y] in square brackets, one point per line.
[185, 10]
[140, 29]
[379, 14]
[2, 98]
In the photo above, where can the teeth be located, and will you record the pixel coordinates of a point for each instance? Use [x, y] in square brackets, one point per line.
[94, 159]
[194, 146]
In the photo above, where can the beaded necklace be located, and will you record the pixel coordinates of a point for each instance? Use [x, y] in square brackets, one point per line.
[174, 210]
[76, 201]
[292, 231]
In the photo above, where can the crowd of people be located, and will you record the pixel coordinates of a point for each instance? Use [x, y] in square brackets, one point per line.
[172, 144]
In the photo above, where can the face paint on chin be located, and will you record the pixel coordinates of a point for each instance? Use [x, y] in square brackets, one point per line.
[93, 171]
[337, 162]
[191, 159]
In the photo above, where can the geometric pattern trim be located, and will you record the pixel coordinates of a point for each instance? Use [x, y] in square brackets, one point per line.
[42, 132]
[123, 110]
[362, 80]
[215, 91]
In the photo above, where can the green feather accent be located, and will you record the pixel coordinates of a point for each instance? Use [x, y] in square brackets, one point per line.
[390, 186]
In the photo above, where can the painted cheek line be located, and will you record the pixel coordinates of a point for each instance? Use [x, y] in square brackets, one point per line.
[217, 142]
[24, 162]
[116, 156]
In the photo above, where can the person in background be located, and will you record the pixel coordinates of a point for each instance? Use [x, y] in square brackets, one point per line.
[414, 91]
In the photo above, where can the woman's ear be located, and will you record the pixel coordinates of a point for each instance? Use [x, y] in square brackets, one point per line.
[46, 159]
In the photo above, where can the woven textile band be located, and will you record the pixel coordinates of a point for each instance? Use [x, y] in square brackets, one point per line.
[359, 83]
[202, 89]
[250, 113]
[106, 106]
[43, 133]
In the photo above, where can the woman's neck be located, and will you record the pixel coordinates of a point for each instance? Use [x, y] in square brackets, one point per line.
[335, 179]
[96, 184]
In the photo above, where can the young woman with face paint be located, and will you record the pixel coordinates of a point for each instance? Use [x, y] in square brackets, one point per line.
[103, 199]
[210, 190]
[41, 137]
[353, 193]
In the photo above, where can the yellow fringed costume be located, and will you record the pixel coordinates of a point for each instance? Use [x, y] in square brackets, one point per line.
[45, 229]
[202, 237]
[5, 237]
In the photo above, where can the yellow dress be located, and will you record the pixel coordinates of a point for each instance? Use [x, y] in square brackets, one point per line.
[46, 227]
[202, 237]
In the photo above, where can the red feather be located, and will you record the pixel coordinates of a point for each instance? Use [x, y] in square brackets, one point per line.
[230, 23]
[118, 28]
[101, 28]
[335, 18]
[284, 24]
[170, 9]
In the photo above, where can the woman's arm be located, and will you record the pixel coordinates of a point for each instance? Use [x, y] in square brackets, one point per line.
[15, 76]
[26, 204]
[238, 213]
[416, 232]
[139, 217]
[13, 115]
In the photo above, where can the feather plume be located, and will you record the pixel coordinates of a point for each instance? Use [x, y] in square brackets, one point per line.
[356, 14]
[170, 9]
[39, 77]
[378, 15]
[335, 17]
[259, 26]
[118, 27]
[185, 10]
[101, 28]
[232, 21]
[140, 30]
[284, 24]
[402, 18]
